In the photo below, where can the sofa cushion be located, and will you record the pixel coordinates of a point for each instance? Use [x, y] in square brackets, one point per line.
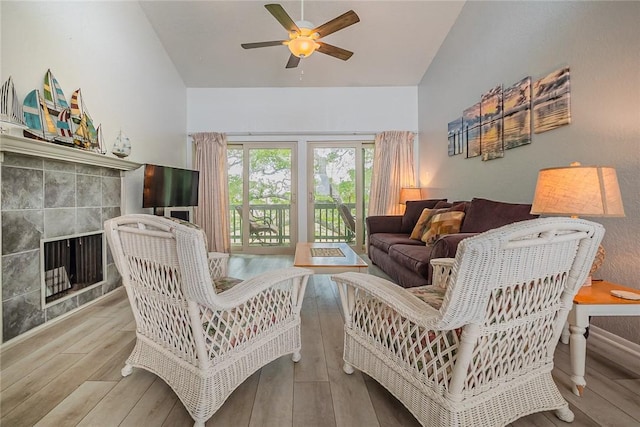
[443, 204]
[397, 273]
[460, 204]
[443, 223]
[413, 211]
[414, 257]
[483, 215]
[385, 240]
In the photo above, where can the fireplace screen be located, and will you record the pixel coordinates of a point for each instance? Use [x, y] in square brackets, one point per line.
[71, 264]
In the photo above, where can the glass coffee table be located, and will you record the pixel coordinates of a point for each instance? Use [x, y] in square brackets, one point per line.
[328, 258]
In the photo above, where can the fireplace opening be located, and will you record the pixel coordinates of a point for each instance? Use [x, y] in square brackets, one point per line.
[71, 264]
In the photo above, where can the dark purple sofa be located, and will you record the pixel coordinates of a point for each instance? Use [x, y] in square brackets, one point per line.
[407, 261]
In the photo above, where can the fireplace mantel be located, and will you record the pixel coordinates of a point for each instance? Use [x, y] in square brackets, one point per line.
[32, 147]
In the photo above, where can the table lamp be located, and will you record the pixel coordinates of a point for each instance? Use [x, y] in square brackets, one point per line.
[576, 191]
[410, 193]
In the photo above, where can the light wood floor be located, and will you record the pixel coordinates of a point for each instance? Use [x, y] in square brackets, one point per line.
[69, 374]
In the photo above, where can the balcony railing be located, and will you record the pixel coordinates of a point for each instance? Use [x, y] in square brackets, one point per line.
[270, 224]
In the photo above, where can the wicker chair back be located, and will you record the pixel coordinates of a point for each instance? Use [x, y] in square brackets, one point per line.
[203, 344]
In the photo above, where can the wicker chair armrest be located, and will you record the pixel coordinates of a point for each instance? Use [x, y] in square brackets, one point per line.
[397, 298]
[442, 268]
[248, 289]
[218, 264]
[400, 327]
[248, 310]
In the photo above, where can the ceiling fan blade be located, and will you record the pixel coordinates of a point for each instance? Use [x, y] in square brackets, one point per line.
[293, 61]
[342, 21]
[283, 17]
[334, 51]
[262, 44]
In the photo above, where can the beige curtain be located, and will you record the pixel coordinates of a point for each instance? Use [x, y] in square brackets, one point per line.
[212, 212]
[392, 170]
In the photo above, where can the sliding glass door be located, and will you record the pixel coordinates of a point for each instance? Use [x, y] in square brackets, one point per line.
[261, 197]
[339, 181]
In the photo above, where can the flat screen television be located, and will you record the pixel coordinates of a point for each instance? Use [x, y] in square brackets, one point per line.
[165, 186]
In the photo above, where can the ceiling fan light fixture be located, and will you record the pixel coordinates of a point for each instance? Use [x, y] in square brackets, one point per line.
[304, 36]
[302, 46]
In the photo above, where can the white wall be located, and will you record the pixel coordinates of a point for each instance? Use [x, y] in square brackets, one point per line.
[501, 42]
[110, 51]
[302, 115]
[304, 110]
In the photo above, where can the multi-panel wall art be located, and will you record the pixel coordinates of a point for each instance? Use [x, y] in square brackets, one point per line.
[503, 118]
[491, 124]
[551, 101]
[517, 114]
[455, 136]
[471, 130]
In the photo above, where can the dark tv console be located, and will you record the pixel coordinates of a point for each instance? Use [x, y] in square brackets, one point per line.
[183, 213]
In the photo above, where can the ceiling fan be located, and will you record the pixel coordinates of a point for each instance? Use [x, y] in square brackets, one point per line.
[304, 38]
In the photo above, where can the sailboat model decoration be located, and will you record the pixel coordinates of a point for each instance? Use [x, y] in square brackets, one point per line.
[49, 117]
[36, 117]
[47, 114]
[58, 109]
[53, 95]
[100, 148]
[85, 135]
[122, 146]
[11, 114]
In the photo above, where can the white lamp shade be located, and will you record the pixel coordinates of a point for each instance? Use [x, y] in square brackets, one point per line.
[410, 193]
[578, 191]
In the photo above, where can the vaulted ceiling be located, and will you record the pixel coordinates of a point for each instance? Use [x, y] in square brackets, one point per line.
[393, 44]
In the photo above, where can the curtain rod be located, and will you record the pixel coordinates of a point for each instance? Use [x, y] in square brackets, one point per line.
[300, 133]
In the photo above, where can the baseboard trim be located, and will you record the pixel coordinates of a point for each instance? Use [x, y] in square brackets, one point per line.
[613, 340]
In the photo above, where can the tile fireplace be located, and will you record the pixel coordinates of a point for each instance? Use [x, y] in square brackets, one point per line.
[44, 199]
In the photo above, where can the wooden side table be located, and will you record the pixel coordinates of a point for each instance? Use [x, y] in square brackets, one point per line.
[594, 300]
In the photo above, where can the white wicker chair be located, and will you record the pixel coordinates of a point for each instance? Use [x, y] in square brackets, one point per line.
[200, 343]
[485, 357]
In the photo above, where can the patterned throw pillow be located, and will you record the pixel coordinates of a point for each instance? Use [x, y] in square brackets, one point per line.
[432, 295]
[225, 283]
[423, 223]
[413, 209]
[443, 223]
